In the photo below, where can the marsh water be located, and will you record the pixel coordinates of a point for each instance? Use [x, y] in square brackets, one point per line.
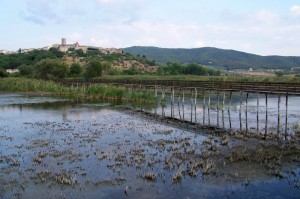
[69, 148]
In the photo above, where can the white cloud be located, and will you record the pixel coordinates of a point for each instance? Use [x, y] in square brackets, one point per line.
[123, 23]
[74, 37]
[199, 44]
[146, 33]
[253, 38]
[267, 17]
[295, 11]
[119, 2]
[110, 11]
[109, 2]
[246, 47]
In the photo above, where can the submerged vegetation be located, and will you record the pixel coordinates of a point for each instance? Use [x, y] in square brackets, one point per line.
[105, 92]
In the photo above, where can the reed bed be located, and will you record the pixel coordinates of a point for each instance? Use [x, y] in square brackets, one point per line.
[141, 96]
[101, 91]
[31, 85]
[106, 92]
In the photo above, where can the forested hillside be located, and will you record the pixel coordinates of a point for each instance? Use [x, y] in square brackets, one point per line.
[54, 64]
[227, 59]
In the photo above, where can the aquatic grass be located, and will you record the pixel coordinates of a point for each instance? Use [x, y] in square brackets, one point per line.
[30, 85]
[98, 91]
[105, 91]
[141, 96]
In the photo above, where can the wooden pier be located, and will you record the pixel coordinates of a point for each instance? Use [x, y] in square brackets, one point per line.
[235, 86]
[201, 94]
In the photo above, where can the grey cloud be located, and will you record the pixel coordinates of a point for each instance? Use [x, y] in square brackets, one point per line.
[44, 10]
[126, 11]
[55, 11]
[31, 18]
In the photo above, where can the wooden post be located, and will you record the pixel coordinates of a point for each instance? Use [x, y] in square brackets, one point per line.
[163, 92]
[266, 128]
[209, 93]
[218, 104]
[178, 103]
[240, 112]
[229, 108]
[286, 114]
[195, 105]
[203, 107]
[247, 112]
[162, 98]
[172, 102]
[257, 112]
[278, 113]
[191, 105]
[223, 104]
[183, 104]
[156, 101]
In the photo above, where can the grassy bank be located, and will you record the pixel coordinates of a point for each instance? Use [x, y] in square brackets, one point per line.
[104, 92]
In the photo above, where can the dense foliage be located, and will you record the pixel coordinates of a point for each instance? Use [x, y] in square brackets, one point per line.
[93, 69]
[2, 72]
[75, 70]
[51, 69]
[29, 58]
[190, 69]
[227, 59]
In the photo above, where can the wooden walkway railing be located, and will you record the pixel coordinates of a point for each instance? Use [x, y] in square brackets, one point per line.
[246, 86]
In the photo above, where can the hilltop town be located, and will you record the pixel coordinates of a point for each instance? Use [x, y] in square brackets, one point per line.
[64, 47]
[115, 60]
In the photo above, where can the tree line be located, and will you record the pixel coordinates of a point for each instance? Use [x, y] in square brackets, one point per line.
[13, 61]
[174, 68]
[53, 69]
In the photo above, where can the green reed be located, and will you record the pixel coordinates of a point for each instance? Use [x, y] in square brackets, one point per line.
[30, 85]
[100, 91]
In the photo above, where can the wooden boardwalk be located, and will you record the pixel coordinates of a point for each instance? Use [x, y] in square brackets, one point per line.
[199, 95]
[235, 86]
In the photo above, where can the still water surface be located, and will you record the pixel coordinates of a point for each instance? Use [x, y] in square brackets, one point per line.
[102, 151]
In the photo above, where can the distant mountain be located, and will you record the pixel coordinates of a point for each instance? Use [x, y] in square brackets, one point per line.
[227, 59]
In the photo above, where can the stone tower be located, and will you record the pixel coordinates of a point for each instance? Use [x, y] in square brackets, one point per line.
[63, 41]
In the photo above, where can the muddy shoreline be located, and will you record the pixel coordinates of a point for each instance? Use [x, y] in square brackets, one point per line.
[101, 152]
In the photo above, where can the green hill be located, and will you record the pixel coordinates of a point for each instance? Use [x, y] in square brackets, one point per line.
[227, 59]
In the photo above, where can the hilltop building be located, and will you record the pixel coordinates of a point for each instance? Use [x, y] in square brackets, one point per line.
[63, 41]
[10, 71]
[64, 47]
[6, 52]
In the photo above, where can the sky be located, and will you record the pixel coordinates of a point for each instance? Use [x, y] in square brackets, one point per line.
[263, 27]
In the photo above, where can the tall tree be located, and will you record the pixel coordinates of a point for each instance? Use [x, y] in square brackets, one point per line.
[93, 69]
[51, 69]
[75, 69]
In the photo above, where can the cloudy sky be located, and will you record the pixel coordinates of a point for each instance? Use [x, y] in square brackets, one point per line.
[264, 27]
